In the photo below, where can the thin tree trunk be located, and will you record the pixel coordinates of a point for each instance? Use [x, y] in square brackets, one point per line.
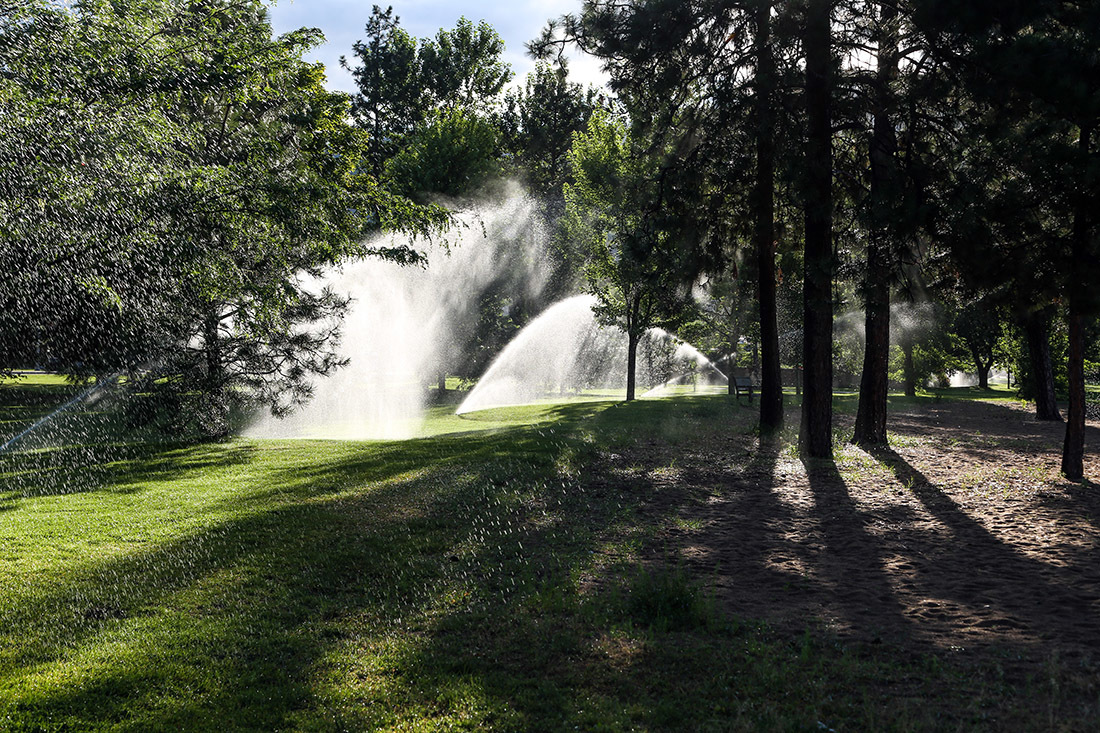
[815, 434]
[217, 419]
[212, 352]
[631, 362]
[771, 381]
[871, 415]
[1073, 449]
[1042, 369]
[731, 365]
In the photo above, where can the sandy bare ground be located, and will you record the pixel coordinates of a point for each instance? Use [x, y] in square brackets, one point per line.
[961, 537]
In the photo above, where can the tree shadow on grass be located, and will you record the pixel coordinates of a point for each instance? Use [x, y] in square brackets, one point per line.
[318, 556]
[242, 609]
[437, 583]
[114, 467]
[741, 541]
[272, 617]
[863, 583]
[618, 665]
[543, 674]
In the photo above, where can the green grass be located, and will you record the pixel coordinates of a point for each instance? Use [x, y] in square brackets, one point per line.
[35, 379]
[481, 579]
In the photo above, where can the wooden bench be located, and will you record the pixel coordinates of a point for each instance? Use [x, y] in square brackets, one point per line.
[742, 386]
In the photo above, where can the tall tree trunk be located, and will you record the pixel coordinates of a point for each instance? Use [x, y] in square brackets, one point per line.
[871, 415]
[815, 434]
[216, 422]
[771, 381]
[1073, 449]
[731, 363]
[1037, 331]
[212, 352]
[632, 340]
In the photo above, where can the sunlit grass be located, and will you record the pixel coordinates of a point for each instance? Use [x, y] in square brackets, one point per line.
[487, 577]
[35, 379]
[267, 584]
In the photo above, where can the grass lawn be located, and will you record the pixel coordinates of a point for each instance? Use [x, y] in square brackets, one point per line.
[484, 578]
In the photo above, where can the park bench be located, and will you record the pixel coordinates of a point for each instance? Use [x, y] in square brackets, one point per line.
[743, 386]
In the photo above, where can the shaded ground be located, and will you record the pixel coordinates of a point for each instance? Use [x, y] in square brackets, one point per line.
[960, 538]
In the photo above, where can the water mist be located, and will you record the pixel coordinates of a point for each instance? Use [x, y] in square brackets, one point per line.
[565, 352]
[400, 328]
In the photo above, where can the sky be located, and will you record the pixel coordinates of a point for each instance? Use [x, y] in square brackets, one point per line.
[342, 21]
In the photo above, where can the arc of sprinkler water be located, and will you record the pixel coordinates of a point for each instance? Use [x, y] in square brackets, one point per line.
[689, 351]
[46, 419]
[699, 357]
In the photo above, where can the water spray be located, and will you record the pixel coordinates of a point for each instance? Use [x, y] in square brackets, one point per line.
[80, 398]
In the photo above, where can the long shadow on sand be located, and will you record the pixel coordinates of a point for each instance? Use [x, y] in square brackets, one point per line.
[965, 582]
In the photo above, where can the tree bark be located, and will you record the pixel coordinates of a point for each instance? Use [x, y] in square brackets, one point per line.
[1042, 369]
[216, 422]
[1073, 449]
[870, 426]
[632, 340]
[212, 352]
[981, 367]
[771, 381]
[815, 434]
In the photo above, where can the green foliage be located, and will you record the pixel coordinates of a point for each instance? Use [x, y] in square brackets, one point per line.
[497, 324]
[462, 67]
[538, 122]
[1021, 162]
[188, 171]
[392, 98]
[453, 154]
[628, 262]
[426, 105]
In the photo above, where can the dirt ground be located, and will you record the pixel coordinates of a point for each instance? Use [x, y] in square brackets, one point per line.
[960, 537]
